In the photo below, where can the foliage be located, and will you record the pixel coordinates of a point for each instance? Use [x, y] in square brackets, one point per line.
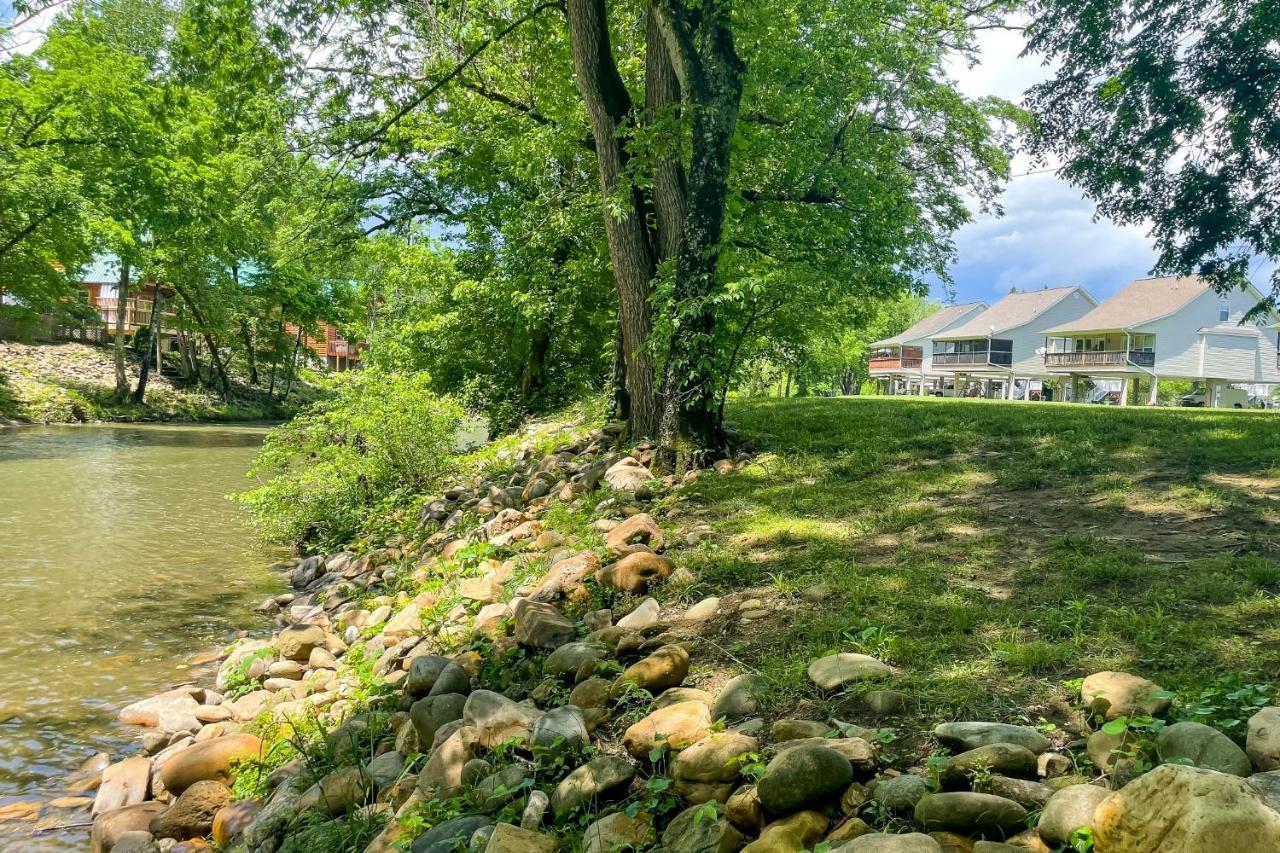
[1166, 114]
[379, 442]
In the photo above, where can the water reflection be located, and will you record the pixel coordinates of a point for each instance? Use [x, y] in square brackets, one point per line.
[119, 557]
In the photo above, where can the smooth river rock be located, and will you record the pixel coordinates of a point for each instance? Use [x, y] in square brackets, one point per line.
[835, 671]
[211, 759]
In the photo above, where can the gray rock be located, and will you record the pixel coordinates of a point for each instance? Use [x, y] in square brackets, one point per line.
[600, 778]
[566, 659]
[835, 671]
[692, 832]
[541, 625]
[1006, 759]
[901, 793]
[1068, 810]
[561, 731]
[385, 769]
[803, 776]
[430, 714]
[963, 811]
[423, 672]
[975, 734]
[135, 841]
[1204, 746]
[450, 835]
[453, 679]
[884, 703]
[534, 810]
[738, 698]
[508, 784]
[1024, 792]
[1269, 784]
[497, 719]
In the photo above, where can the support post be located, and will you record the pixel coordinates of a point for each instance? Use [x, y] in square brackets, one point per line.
[1124, 391]
[1153, 397]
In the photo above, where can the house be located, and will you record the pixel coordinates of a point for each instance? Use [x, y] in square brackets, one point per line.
[1001, 346]
[328, 346]
[905, 361]
[1172, 328]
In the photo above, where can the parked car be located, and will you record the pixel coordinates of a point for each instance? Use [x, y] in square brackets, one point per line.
[1230, 397]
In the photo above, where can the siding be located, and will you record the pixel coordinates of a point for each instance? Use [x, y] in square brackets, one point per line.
[1030, 337]
[927, 343]
[1231, 357]
[1183, 353]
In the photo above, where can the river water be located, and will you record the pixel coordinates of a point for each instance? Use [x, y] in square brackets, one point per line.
[120, 557]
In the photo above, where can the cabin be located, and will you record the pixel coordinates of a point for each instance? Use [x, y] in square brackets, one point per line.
[329, 347]
[904, 362]
[1172, 328]
[998, 352]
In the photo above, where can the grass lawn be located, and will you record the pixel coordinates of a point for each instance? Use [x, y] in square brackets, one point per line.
[993, 551]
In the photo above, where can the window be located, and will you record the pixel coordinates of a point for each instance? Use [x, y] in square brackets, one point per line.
[1142, 343]
[1224, 310]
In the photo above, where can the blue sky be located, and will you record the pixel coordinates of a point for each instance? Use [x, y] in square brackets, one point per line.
[1048, 234]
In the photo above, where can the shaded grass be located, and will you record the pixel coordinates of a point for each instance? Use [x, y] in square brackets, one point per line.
[993, 551]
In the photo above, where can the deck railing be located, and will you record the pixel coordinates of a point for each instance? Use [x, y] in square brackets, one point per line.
[1100, 358]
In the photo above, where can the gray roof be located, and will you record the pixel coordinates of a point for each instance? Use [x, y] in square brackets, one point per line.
[934, 323]
[1140, 302]
[1014, 310]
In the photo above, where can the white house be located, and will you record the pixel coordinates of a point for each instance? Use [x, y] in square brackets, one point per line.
[905, 361]
[1172, 328]
[1002, 346]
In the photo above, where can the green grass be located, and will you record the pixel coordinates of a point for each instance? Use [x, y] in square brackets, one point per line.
[993, 551]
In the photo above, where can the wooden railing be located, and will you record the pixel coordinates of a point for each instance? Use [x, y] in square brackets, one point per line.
[1100, 358]
[137, 312]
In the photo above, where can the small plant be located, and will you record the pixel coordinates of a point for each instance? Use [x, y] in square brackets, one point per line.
[1227, 704]
[750, 765]
[1081, 841]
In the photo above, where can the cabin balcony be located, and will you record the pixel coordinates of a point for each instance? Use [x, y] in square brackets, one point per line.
[975, 354]
[1099, 358]
[896, 359]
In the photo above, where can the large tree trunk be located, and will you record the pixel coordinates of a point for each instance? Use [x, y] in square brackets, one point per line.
[122, 300]
[140, 393]
[710, 75]
[609, 110]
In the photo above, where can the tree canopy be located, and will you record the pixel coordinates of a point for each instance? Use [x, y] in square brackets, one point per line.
[1167, 114]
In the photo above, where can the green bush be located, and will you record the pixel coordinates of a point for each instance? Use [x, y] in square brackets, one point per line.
[362, 454]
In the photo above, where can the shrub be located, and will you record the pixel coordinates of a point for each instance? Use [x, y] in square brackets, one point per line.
[363, 453]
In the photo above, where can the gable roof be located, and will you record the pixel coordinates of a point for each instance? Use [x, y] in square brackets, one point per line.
[934, 323]
[1014, 310]
[1140, 302]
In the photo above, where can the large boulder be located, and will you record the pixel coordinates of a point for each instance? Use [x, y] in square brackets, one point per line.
[676, 726]
[565, 577]
[1179, 809]
[1069, 809]
[835, 671]
[1202, 746]
[802, 777]
[599, 779]
[964, 811]
[191, 814]
[1262, 742]
[971, 735]
[1116, 694]
[211, 759]
[636, 572]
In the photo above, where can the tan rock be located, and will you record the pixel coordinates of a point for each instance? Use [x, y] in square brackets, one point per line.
[635, 573]
[232, 819]
[507, 838]
[191, 814]
[124, 783]
[1122, 694]
[667, 667]
[109, 826]
[213, 759]
[147, 712]
[791, 834]
[1178, 809]
[638, 533]
[1263, 740]
[677, 726]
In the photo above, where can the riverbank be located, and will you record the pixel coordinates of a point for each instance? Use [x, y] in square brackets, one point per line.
[960, 619]
[74, 383]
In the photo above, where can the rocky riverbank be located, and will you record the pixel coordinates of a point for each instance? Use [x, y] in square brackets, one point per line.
[531, 675]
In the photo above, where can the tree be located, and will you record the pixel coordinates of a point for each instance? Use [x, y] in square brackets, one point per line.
[1167, 114]
[726, 139]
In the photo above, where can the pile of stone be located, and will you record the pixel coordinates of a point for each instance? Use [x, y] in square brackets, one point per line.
[611, 712]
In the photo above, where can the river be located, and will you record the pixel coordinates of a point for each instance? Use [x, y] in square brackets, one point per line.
[120, 556]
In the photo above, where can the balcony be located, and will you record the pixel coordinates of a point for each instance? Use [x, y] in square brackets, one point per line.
[906, 362]
[980, 358]
[1100, 358]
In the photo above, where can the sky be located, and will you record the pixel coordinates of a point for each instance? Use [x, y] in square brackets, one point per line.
[1048, 235]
